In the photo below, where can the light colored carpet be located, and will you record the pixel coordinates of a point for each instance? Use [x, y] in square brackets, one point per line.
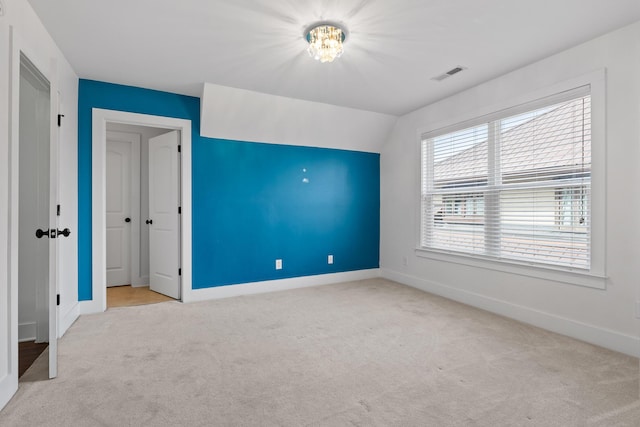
[370, 353]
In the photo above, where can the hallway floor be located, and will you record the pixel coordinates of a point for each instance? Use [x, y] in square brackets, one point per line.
[126, 296]
[28, 352]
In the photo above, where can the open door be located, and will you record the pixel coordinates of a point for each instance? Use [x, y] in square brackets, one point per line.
[55, 234]
[164, 221]
[37, 209]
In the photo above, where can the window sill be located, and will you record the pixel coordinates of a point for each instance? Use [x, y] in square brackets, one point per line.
[573, 277]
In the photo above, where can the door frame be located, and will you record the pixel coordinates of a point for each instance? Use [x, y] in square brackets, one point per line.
[47, 66]
[100, 118]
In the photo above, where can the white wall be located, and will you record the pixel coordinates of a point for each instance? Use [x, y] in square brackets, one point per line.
[68, 194]
[41, 50]
[244, 115]
[35, 42]
[605, 317]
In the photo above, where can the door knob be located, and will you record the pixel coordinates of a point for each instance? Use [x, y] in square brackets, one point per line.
[64, 232]
[127, 220]
[149, 221]
[41, 233]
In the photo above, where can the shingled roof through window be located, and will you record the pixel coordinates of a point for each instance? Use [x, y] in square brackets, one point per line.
[554, 141]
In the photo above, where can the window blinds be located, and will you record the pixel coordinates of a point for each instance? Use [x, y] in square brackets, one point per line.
[516, 187]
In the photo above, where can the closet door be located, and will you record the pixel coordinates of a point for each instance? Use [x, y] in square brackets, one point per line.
[163, 221]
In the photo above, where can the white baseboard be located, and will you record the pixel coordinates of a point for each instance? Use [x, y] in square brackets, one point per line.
[90, 307]
[616, 341]
[67, 318]
[27, 331]
[278, 285]
[139, 282]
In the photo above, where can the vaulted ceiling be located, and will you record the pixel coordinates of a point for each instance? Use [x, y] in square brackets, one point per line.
[393, 50]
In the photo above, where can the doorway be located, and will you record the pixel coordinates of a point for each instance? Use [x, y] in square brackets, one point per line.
[174, 171]
[128, 222]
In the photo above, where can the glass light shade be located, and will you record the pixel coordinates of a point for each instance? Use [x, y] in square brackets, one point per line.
[325, 42]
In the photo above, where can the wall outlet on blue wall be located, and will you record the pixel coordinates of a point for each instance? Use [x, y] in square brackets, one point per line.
[278, 264]
[330, 259]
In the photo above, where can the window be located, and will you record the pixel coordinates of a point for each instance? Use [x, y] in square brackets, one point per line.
[516, 187]
[572, 207]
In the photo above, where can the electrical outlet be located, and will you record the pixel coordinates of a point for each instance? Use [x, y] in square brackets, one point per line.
[330, 259]
[278, 264]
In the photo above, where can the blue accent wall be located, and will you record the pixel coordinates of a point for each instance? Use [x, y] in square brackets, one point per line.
[252, 203]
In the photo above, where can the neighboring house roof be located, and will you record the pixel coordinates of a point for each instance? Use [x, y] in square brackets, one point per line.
[559, 148]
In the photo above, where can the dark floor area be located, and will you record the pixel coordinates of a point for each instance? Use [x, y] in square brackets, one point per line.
[28, 352]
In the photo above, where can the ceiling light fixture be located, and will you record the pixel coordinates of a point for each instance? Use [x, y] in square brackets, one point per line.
[325, 41]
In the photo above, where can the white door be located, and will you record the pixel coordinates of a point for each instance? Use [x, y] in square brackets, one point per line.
[54, 164]
[163, 221]
[118, 215]
[34, 183]
[37, 203]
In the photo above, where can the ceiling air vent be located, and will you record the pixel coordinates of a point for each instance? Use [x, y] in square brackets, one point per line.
[448, 74]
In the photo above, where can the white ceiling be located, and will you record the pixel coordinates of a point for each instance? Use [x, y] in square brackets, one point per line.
[393, 50]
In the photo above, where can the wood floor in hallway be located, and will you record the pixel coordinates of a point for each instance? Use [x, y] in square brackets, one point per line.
[125, 296]
[28, 352]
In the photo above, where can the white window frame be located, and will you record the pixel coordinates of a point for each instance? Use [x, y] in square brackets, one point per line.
[595, 277]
